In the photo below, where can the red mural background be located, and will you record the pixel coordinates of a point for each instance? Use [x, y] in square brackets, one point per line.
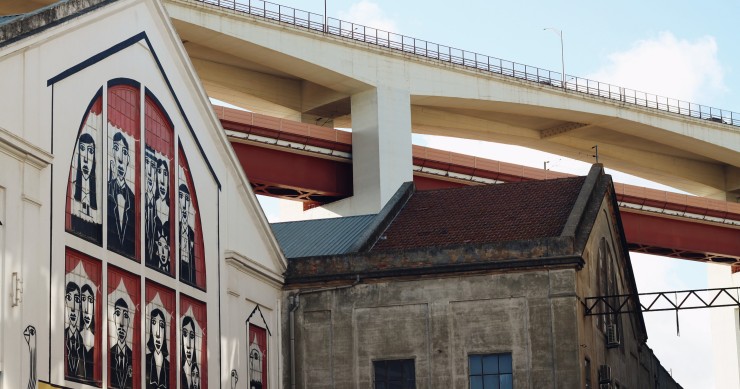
[167, 300]
[92, 267]
[121, 284]
[159, 135]
[124, 100]
[199, 315]
[200, 267]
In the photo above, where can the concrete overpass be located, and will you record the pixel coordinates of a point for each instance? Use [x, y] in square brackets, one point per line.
[286, 63]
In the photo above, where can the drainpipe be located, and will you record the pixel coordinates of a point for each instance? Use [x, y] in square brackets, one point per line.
[295, 302]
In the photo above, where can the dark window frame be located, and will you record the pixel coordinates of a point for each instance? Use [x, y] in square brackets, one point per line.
[482, 373]
[394, 371]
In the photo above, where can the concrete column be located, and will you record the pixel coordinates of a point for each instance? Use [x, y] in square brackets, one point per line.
[725, 326]
[381, 149]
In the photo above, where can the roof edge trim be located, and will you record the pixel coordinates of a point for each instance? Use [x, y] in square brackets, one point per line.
[566, 261]
[383, 219]
[579, 207]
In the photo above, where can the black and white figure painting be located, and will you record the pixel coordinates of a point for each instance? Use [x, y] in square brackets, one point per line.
[82, 299]
[29, 334]
[85, 216]
[87, 300]
[157, 211]
[186, 234]
[190, 354]
[79, 332]
[121, 315]
[121, 198]
[157, 345]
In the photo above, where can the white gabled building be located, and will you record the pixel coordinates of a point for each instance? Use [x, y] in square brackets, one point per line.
[133, 253]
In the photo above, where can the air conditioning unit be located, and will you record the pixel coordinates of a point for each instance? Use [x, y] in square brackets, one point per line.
[605, 374]
[612, 336]
[605, 386]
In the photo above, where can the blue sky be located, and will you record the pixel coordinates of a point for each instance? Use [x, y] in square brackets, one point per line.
[679, 49]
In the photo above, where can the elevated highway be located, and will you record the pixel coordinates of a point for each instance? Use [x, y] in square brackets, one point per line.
[313, 164]
[288, 63]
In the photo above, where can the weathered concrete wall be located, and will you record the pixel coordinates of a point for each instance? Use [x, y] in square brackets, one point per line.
[438, 322]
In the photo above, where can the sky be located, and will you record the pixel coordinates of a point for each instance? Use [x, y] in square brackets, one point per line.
[679, 49]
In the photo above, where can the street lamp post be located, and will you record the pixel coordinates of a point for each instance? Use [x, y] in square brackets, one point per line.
[326, 19]
[562, 52]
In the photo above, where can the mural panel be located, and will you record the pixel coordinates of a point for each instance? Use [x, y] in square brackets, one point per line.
[123, 175]
[84, 215]
[82, 316]
[193, 350]
[257, 357]
[124, 366]
[160, 337]
[158, 195]
[191, 255]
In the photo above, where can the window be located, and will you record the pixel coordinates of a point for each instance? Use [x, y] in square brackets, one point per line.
[587, 372]
[396, 374]
[490, 371]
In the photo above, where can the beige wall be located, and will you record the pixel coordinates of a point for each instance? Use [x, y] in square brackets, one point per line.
[438, 323]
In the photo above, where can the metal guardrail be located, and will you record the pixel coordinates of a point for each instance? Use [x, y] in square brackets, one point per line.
[357, 32]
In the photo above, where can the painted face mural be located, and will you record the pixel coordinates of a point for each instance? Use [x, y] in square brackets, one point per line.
[123, 134]
[150, 165]
[80, 300]
[192, 364]
[88, 320]
[187, 237]
[84, 217]
[150, 214]
[160, 301]
[123, 288]
[188, 353]
[191, 257]
[159, 154]
[163, 181]
[72, 303]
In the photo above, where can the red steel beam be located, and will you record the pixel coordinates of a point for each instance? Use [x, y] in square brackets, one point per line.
[681, 238]
[314, 179]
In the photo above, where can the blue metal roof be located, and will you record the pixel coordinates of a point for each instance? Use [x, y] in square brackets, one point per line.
[320, 237]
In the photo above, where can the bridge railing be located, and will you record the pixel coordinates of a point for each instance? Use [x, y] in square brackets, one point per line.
[357, 32]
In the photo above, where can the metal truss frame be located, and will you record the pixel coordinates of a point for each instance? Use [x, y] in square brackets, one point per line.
[663, 301]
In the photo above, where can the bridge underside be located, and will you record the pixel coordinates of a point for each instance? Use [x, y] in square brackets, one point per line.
[307, 163]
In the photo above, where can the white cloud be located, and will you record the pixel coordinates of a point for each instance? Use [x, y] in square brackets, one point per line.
[368, 13]
[667, 66]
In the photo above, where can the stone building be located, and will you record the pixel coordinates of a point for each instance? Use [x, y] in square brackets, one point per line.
[133, 253]
[480, 287]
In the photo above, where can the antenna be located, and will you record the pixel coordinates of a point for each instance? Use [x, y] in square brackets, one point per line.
[596, 147]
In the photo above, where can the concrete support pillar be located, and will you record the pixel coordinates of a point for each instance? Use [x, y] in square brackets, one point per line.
[725, 329]
[381, 149]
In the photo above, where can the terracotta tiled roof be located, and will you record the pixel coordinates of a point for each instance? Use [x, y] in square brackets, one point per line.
[483, 214]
